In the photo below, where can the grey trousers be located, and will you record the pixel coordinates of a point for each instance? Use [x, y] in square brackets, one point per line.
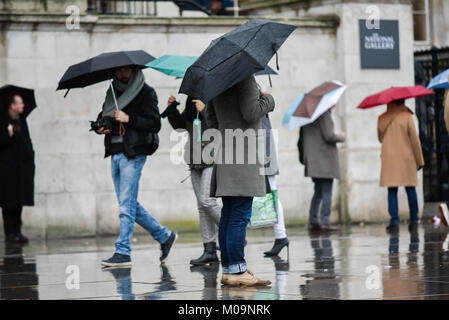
[208, 208]
[323, 196]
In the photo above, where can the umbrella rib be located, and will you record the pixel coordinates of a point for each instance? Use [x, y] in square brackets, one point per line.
[243, 49]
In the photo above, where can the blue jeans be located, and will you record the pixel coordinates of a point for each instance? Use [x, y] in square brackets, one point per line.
[126, 175]
[393, 204]
[235, 216]
[323, 196]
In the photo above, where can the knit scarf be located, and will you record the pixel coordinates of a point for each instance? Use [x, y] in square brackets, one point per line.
[129, 91]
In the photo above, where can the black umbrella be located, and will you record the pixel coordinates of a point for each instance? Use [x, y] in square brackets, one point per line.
[268, 71]
[233, 57]
[101, 67]
[27, 95]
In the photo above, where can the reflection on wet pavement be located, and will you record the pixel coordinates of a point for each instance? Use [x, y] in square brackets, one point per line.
[354, 263]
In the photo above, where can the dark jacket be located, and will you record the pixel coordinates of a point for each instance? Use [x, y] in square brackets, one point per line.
[184, 121]
[16, 165]
[144, 124]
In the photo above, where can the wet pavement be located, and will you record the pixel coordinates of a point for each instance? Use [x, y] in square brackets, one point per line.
[358, 262]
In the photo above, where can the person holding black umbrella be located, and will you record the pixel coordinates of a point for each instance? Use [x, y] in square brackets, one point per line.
[16, 164]
[238, 110]
[132, 137]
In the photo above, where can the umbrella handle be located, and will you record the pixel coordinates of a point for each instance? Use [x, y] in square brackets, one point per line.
[197, 122]
[113, 94]
[277, 60]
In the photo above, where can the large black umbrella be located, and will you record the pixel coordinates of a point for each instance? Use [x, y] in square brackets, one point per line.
[233, 57]
[27, 95]
[101, 67]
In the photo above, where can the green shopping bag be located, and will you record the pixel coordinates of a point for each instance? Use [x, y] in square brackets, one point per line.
[265, 211]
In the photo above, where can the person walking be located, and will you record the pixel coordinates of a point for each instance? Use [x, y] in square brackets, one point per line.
[401, 159]
[272, 170]
[131, 139]
[200, 173]
[238, 111]
[319, 154]
[17, 168]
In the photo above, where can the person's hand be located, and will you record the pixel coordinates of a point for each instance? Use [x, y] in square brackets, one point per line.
[171, 100]
[199, 105]
[10, 130]
[343, 134]
[103, 131]
[120, 116]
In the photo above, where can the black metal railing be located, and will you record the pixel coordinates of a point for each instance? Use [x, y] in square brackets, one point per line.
[435, 143]
[138, 7]
[123, 7]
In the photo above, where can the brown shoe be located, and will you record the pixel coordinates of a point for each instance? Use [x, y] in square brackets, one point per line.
[224, 279]
[245, 279]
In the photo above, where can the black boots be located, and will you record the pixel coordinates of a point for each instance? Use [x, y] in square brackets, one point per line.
[209, 255]
[279, 244]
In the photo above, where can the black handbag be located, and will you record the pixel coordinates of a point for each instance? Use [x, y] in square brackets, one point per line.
[301, 147]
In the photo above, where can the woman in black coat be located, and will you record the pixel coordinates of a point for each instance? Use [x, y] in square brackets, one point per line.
[16, 168]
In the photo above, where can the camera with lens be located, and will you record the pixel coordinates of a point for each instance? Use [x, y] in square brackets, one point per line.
[103, 122]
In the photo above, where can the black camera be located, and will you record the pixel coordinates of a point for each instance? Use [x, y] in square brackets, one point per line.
[103, 122]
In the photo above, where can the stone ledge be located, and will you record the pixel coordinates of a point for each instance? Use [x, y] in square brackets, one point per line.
[319, 21]
[249, 5]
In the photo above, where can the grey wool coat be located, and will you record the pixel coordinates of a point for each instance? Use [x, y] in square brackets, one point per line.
[320, 148]
[240, 107]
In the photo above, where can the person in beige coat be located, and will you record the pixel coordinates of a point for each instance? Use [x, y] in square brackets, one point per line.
[401, 159]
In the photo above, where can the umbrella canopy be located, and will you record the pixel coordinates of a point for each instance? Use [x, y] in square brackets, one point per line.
[267, 70]
[310, 106]
[101, 67]
[172, 65]
[394, 93]
[27, 95]
[233, 57]
[440, 81]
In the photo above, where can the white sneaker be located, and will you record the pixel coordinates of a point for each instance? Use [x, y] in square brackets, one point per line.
[444, 212]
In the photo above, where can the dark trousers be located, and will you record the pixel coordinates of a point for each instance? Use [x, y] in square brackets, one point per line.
[393, 204]
[12, 220]
[323, 196]
[235, 216]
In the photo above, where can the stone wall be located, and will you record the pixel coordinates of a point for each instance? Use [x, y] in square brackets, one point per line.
[74, 189]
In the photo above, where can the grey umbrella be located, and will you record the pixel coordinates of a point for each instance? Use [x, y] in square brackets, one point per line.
[233, 57]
